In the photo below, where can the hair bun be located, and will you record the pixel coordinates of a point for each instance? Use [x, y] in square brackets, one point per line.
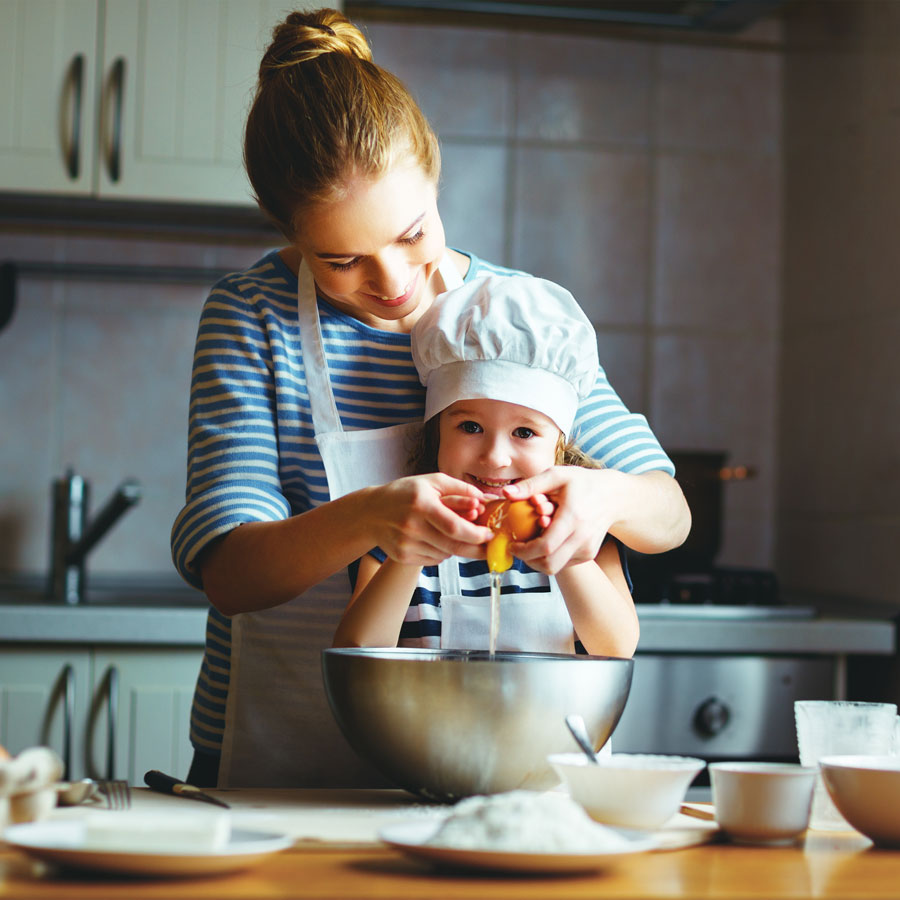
[305, 35]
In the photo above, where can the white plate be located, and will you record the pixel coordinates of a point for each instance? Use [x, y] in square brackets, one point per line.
[412, 839]
[62, 843]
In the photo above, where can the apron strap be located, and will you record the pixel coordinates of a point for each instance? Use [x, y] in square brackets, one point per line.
[449, 273]
[448, 573]
[322, 404]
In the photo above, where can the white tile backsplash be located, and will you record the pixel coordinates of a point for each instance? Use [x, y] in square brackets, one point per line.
[643, 177]
[718, 243]
[582, 219]
[720, 99]
[462, 77]
[473, 197]
[572, 88]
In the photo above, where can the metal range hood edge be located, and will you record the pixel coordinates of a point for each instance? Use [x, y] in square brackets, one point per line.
[714, 16]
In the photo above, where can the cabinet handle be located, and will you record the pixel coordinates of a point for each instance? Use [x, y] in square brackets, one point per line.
[68, 676]
[74, 90]
[62, 692]
[117, 90]
[112, 706]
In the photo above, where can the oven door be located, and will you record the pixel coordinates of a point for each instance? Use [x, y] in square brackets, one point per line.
[719, 707]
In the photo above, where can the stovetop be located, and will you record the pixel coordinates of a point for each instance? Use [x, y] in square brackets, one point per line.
[719, 611]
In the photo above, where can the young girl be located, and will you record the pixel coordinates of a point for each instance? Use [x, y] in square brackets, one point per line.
[505, 362]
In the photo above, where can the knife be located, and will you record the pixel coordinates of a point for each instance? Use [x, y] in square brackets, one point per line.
[166, 784]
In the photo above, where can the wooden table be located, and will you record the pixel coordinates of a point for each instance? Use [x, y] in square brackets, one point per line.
[839, 865]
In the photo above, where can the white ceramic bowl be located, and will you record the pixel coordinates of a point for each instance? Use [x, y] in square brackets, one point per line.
[632, 790]
[866, 791]
[762, 802]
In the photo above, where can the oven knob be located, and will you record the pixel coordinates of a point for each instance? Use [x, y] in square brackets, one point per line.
[711, 717]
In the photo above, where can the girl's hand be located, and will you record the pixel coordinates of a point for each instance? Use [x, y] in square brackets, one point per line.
[418, 522]
[586, 501]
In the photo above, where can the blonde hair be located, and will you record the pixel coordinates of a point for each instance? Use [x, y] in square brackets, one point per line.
[324, 112]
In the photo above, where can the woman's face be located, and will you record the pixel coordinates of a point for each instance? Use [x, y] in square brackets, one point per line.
[490, 443]
[373, 250]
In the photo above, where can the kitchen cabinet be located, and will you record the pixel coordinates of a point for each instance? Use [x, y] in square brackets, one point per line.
[108, 711]
[129, 99]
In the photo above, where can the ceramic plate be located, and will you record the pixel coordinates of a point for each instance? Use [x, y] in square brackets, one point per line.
[62, 843]
[411, 838]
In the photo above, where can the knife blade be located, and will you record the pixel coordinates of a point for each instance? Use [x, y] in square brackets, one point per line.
[166, 784]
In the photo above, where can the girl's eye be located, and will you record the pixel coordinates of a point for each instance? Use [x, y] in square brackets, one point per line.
[414, 238]
[343, 267]
[470, 427]
[523, 433]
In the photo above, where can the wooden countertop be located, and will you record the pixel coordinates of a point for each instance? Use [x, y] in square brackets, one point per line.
[824, 865]
[837, 866]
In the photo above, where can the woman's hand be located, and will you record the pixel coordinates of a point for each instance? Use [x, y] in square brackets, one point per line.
[423, 519]
[646, 512]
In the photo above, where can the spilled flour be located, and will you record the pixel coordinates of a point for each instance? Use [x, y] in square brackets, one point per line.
[525, 822]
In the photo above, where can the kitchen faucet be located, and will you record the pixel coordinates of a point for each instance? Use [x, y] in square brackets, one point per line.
[73, 536]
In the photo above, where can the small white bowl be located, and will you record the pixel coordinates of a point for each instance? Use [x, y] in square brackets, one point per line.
[866, 791]
[632, 790]
[760, 802]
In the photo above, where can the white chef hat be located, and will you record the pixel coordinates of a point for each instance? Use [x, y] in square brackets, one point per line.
[514, 338]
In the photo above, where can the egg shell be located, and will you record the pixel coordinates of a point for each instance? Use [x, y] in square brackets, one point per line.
[32, 807]
[516, 518]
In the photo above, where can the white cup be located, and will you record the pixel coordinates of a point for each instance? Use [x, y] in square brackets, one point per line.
[762, 803]
[840, 728]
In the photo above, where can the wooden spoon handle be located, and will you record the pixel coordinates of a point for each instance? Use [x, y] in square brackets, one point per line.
[705, 814]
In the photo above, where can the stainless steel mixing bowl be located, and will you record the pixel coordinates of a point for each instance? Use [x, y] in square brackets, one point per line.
[446, 724]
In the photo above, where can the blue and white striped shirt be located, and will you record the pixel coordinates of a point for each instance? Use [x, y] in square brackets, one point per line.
[252, 455]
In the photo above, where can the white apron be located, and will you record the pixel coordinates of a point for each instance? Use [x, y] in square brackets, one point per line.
[538, 623]
[279, 729]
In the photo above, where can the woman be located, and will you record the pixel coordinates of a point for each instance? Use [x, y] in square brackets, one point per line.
[303, 389]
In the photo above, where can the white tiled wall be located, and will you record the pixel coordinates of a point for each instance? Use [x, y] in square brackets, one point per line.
[643, 176]
[839, 449]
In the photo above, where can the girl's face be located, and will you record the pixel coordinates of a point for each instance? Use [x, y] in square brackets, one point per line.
[491, 443]
[373, 250]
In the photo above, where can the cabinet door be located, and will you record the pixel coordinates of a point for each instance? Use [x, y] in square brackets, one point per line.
[43, 697]
[140, 716]
[48, 68]
[178, 79]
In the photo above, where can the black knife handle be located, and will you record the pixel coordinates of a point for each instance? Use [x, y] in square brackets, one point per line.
[159, 781]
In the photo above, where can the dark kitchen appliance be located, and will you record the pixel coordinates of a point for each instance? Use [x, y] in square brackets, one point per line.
[689, 573]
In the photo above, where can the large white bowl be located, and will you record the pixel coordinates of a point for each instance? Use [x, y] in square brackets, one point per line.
[632, 790]
[866, 791]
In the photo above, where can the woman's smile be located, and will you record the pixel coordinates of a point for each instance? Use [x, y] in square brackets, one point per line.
[392, 302]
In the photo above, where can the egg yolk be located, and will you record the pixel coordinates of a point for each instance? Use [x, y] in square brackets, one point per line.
[509, 520]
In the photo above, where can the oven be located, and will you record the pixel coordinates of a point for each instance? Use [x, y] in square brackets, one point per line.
[720, 707]
[689, 696]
